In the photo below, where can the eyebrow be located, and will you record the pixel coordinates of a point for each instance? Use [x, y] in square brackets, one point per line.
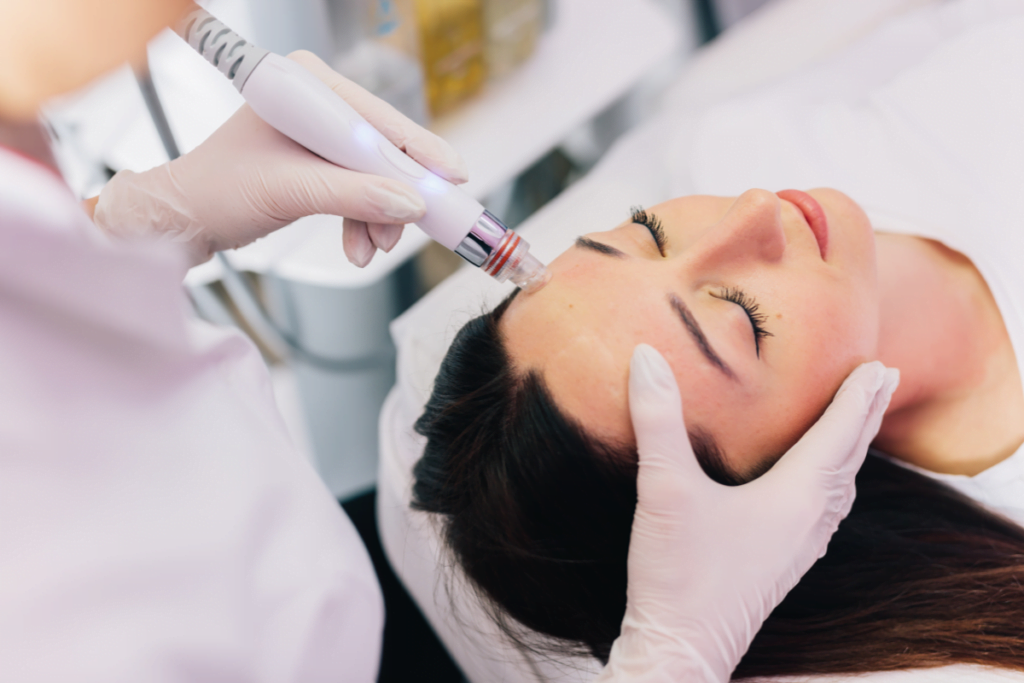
[693, 327]
[600, 247]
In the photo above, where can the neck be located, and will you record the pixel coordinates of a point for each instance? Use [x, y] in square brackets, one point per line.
[958, 406]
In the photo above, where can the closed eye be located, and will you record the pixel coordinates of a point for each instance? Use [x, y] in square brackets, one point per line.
[653, 224]
[753, 311]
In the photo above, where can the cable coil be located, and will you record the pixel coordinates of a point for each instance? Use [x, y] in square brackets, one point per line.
[230, 53]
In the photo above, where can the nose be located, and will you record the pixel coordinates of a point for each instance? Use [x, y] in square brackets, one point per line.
[751, 230]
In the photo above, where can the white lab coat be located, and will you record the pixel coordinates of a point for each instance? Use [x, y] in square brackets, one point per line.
[156, 523]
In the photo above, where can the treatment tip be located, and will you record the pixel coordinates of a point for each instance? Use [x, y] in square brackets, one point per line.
[530, 274]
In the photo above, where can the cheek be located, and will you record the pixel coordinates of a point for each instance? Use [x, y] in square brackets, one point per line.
[836, 337]
[825, 323]
[818, 341]
[829, 337]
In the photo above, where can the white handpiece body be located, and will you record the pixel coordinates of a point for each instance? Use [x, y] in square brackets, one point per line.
[301, 106]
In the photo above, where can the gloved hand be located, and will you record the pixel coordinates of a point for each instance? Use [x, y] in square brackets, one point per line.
[247, 180]
[708, 563]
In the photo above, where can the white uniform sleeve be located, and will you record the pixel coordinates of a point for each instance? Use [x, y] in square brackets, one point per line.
[156, 523]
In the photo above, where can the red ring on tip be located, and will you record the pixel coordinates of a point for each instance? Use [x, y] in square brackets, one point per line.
[503, 254]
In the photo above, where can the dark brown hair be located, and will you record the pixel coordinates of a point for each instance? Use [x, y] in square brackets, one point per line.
[538, 514]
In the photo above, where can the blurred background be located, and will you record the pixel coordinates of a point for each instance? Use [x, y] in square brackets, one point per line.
[531, 92]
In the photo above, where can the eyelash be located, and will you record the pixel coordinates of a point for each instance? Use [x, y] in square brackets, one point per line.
[652, 223]
[752, 308]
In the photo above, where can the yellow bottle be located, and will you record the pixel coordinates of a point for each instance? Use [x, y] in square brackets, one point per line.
[452, 50]
[512, 28]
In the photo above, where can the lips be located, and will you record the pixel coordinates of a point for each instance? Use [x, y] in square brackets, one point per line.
[813, 214]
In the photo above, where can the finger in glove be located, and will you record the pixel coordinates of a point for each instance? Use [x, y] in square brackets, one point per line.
[847, 427]
[356, 241]
[384, 235]
[656, 409]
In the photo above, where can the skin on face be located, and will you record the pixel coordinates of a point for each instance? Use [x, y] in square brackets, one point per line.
[50, 47]
[579, 330]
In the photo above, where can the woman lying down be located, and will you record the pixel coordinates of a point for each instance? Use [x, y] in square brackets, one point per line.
[762, 304]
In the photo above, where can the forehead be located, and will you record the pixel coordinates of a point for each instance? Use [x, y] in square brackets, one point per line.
[565, 332]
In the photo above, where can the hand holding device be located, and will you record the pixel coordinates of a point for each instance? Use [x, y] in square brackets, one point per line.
[303, 104]
[708, 563]
[247, 180]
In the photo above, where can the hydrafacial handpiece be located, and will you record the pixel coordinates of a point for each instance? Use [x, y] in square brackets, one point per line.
[300, 106]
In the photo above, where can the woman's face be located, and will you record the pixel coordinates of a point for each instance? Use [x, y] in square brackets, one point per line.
[762, 306]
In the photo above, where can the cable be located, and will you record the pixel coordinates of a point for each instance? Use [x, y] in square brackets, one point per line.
[156, 110]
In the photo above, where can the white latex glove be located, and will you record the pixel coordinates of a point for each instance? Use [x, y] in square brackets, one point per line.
[708, 563]
[247, 180]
